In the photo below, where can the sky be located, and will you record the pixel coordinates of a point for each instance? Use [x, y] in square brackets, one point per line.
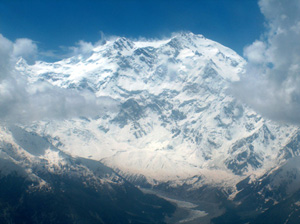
[55, 24]
[265, 32]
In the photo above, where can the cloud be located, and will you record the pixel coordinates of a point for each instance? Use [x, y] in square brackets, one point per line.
[86, 48]
[271, 84]
[23, 101]
[5, 56]
[26, 49]
[255, 53]
[82, 47]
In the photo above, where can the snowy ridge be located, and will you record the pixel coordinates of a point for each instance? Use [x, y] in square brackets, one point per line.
[31, 156]
[175, 112]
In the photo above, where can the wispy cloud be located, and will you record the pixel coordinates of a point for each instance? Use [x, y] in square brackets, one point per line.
[22, 101]
[271, 84]
[84, 48]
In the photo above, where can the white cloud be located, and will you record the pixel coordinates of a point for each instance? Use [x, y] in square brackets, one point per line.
[6, 47]
[21, 101]
[255, 53]
[272, 81]
[26, 49]
[83, 48]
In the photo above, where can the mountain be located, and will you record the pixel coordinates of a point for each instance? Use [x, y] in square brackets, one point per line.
[272, 198]
[41, 184]
[177, 129]
[174, 111]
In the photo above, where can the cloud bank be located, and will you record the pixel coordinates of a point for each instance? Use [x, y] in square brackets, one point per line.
[271, 84]
[21, 101]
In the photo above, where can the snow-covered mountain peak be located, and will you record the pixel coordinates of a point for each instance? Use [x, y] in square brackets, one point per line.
[174, 111]
[123, 44]
[154, 66]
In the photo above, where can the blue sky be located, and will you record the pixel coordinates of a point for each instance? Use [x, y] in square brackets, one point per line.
[55, 23]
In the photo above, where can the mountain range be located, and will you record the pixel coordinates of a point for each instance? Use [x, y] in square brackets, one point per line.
[171, 144]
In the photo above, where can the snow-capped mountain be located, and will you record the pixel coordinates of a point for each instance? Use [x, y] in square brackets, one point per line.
[174, 111]
[176, 125]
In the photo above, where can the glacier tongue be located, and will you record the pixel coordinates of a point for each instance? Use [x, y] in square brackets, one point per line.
[176, 121]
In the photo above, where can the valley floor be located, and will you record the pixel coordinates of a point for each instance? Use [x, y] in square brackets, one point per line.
[188, 212]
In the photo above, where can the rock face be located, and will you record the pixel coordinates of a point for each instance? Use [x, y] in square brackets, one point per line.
[176, 125]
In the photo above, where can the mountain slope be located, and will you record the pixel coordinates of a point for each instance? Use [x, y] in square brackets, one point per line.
[272, 198]
[174, 111]
[41, 184]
